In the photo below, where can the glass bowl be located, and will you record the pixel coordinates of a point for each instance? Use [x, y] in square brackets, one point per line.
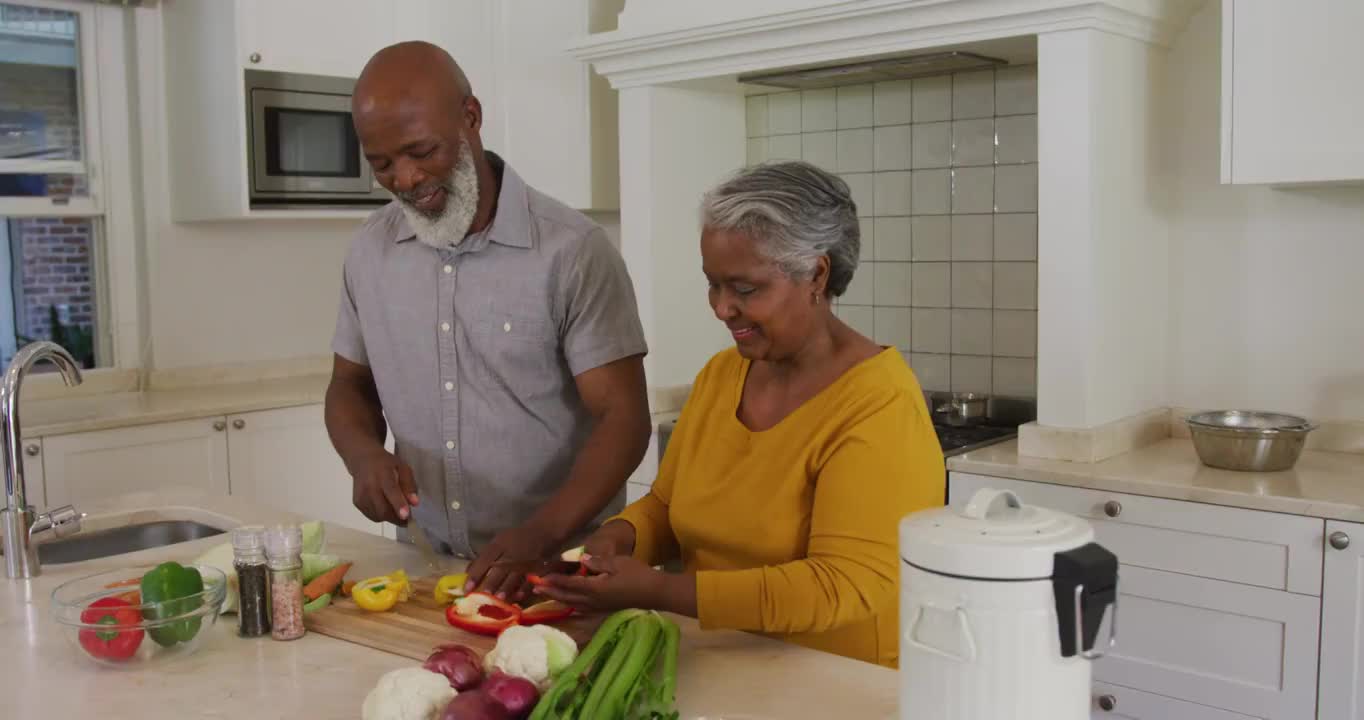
[162, 631]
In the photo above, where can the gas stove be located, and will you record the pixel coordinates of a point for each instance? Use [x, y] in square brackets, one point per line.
[958, 440]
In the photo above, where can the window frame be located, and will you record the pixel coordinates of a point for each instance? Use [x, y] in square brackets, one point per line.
[106, 111]
[87, 109]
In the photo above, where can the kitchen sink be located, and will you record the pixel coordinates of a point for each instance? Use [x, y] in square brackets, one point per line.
[117, 541]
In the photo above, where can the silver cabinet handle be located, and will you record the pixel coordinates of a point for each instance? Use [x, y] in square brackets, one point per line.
[1108, 703]
[1339, 540]
[219, 425]
[239, 423]
[32, 449]
[255, 58]
[1112, 508]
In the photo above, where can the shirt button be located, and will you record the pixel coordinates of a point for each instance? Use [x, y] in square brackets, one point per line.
[454, 505]
[449, 269]
[449, 444]
[506, 327]
[449, 386]
[445, 327]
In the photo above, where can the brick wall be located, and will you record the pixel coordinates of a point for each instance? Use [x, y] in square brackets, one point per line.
[56, 271]
[51, 92]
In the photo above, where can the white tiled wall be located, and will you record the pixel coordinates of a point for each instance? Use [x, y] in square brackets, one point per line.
[944, 173]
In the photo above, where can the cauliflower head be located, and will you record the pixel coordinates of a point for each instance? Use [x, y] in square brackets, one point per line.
[537, 653]
[408, 694]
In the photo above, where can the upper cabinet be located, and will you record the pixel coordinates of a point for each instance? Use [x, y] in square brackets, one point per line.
[546, 112]
[1292, 102]
[320, 37]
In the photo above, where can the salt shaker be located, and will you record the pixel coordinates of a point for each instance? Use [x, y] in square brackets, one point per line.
[284, 555]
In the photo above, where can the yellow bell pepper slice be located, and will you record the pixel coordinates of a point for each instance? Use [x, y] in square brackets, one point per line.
[450, 587]
[378, 594]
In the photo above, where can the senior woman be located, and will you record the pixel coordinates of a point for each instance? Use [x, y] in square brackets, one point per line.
[797, 452]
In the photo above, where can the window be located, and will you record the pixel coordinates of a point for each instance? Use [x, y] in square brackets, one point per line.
[51, 213]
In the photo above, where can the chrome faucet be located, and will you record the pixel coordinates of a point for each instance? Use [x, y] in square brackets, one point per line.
[20, 525]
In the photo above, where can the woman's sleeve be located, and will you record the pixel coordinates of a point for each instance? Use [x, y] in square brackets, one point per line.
[885, 466]
[655, 543]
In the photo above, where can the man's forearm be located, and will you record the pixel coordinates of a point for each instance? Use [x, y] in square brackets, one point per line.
[355, 421]
[612, 451]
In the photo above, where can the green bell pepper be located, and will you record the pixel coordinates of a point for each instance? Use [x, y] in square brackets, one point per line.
[168, 590]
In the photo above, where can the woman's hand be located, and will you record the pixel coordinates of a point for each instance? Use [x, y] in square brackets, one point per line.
[610, 540]
[618, 582]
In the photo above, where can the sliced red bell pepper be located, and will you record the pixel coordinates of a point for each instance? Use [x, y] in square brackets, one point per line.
[538, 580]
[483, 614]
[123, 635]
[545, 612]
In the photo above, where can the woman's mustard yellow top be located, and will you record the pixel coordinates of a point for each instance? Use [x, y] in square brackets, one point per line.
[793, 531]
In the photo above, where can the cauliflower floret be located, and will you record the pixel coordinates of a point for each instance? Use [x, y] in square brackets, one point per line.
[537, 653]
[408, 694]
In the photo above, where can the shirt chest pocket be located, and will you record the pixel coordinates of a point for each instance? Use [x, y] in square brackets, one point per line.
[519, 347]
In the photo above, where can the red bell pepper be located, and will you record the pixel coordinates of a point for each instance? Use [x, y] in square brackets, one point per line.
[123, 635]
[538, 580]
[482, 614]
[545, 612]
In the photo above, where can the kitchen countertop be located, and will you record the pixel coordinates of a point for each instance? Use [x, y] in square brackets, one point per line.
[58, 416]
[1325, 485]
[720, 673]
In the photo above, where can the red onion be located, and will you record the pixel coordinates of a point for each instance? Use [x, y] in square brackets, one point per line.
[474, 705]
[517, 695]
[460, 665]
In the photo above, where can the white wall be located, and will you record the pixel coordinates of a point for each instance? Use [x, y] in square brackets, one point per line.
[1267, 302]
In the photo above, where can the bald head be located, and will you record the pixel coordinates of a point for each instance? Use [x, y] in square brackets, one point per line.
[410, 67]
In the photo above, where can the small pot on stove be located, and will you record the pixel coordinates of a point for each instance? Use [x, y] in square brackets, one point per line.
[961, 409]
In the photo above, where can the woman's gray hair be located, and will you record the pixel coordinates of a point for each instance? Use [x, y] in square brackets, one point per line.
[797, 212]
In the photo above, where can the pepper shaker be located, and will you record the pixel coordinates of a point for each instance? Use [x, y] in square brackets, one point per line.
[253, 581]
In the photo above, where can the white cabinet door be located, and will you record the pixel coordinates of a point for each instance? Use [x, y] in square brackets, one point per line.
[1342, 624]
[557, 119]
[1292, 102]
[1237, 647]
[82, 468]
[283, 458]
[1114, 702]
[319, 37]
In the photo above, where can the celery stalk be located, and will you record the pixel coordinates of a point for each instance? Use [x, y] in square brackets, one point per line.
[598, 702]
[635, 664]
[579, 675]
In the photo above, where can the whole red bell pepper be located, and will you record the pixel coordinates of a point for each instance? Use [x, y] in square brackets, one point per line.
[123, 635]
[482, 614]
[545, 612]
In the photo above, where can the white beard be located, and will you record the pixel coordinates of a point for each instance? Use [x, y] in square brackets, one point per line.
[461, 204]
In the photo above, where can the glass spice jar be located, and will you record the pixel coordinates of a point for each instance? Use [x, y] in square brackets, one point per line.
[253, 581]
[284, 555]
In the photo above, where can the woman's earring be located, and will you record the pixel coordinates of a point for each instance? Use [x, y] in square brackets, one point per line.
[817, 300]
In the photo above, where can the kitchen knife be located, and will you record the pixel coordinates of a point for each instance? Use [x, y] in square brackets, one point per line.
[424, 545]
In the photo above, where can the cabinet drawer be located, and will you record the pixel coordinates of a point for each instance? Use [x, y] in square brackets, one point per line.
[1215, 643]
[1251, 547]
[1129, 704]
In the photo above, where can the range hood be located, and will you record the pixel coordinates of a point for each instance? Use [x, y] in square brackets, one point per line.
[898, 68]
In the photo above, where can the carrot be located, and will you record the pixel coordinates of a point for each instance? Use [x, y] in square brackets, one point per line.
[124, 583]
[346, 588]
[326, 582]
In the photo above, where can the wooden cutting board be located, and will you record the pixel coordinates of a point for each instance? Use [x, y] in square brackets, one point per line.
[414, 628]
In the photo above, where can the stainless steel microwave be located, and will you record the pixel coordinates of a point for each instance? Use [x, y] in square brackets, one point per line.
[302, 146]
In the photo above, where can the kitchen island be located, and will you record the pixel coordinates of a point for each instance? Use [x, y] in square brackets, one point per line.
[721, 674]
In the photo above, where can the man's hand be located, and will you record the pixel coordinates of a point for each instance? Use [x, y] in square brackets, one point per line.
[383, 488]
[517, 546]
